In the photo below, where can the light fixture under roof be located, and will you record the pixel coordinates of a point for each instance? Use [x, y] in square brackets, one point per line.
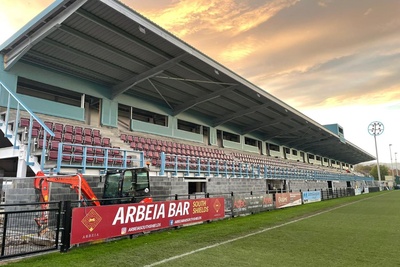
[216, 72]
[142, 30]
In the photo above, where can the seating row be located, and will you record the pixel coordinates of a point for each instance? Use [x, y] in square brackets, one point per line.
[59, 129]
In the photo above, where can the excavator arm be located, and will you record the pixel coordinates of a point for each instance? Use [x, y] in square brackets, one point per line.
[76, 182]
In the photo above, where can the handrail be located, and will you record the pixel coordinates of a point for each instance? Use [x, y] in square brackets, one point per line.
[32, 117]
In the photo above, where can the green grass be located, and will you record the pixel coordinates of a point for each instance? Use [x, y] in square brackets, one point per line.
[364, 233]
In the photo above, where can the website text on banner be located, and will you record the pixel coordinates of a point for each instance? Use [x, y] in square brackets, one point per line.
[95, 223]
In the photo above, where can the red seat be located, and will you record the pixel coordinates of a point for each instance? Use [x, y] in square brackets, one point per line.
[96, 133]
[35, 133]
[68, 138]
[99, 158]
[67, 148]
[49, 124]
[78, 131]
[139, 146]
[77, 157]
[96, 141]
[123, 137]
[116, 151]
[78, 149]
[24, 122]
[39, 143]
[69, 129]
[78, 139]
[117, 160]
[58, 127]
[106, 142]
[57, 136]
[54, 145]
[53, 155]
[87, 140]
[36, 125]
[133, 145]
[87, 132]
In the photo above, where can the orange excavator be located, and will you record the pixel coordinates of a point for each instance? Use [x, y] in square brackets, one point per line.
[120, 186]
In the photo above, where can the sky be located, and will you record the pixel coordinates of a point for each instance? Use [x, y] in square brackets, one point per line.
[336, 61]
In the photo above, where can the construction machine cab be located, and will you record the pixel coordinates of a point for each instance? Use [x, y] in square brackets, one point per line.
[126, 184]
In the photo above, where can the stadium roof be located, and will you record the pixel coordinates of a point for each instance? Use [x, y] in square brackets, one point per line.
[108, 43]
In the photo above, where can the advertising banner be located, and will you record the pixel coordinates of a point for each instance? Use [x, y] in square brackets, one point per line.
[94, 223]
[283, 200]
[311, 196]
[244, 204]
[357, 191]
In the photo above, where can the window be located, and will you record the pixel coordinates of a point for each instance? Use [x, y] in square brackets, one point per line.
[287, 150]
[250, 141]
[318, 158]
[143, 115]
[48, 92]
[273, 147]
[231, 137]
[189, 126]
[311, 156]
[294, 152]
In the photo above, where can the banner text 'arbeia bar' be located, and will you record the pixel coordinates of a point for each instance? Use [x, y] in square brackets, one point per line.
[95, 223]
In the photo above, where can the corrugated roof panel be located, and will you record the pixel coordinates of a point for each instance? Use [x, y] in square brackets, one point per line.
[127, 25]
[79, 61]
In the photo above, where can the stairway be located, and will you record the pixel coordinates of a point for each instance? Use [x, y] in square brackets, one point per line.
[17, 148]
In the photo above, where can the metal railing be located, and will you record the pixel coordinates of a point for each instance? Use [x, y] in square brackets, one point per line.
[83, 157]
[13, 102]
[208, 167]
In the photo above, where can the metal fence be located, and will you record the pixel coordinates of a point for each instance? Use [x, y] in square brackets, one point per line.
[21, 235]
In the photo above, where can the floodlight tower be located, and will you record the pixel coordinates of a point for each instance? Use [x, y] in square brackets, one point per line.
[376, 128]
[395, 160]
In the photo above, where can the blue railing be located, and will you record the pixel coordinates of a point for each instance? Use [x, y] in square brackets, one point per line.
[83, 157]
[196, 166]
[32, 117]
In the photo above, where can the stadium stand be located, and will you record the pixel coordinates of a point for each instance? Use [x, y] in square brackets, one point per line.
[117, 91]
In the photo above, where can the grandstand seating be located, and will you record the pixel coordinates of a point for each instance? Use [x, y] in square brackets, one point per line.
[84, 144]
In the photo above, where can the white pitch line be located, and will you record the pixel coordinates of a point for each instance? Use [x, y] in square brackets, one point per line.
[251, 234]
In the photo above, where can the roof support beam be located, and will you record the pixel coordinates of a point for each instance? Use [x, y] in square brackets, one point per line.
[138, 41]
[238, 114]
[126, 85]
[207, 97]
[15, 54]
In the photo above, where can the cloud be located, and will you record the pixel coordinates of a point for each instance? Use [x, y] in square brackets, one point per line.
[15, 14]
[188, 17]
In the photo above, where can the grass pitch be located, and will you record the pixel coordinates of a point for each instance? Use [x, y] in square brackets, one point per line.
[354, 231]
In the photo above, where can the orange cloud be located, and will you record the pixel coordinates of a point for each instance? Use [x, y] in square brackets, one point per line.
[188, 17]
[15, 14]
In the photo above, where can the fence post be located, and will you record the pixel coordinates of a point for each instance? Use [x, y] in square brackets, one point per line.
[232, 205]
[3, 242]
[67, 221]
[58, 222]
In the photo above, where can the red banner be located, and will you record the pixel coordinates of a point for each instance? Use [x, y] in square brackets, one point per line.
[94, 223]
[283, 200]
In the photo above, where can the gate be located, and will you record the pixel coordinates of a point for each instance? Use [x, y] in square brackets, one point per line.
[21, 235]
